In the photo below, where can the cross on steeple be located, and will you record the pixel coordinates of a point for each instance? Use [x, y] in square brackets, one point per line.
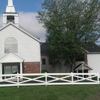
[10, 6]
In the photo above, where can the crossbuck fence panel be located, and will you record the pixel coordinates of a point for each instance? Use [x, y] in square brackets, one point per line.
[49, 79]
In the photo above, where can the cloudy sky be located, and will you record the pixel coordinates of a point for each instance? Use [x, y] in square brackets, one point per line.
[27, 10]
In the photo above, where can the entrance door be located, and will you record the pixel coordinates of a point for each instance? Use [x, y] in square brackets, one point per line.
[11, 69]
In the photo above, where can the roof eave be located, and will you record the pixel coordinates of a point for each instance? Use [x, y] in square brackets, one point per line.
[85, 65]
[93, 52]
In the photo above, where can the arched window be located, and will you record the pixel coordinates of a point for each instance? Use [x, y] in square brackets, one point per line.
[11, 45]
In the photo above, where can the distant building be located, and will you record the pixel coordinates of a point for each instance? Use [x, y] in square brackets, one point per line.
[91, 62]
[45, 59]
[92, 57]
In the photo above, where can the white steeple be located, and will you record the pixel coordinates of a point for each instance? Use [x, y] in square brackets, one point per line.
[10, 15]
[10, 3]
[10, 6]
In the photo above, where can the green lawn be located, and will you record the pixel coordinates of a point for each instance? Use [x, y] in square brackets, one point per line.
[72, 92]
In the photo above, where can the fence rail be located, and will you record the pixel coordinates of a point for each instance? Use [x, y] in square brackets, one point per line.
[49, 79]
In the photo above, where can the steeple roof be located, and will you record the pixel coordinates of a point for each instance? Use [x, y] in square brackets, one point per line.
[10, 7]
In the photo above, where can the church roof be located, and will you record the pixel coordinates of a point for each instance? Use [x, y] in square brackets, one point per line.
[21, 29]
[93, 48]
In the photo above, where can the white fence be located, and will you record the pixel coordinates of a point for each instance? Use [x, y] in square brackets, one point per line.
[49, 79]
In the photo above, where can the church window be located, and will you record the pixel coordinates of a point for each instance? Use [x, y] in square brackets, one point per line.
[43, 61]
[10, 19]
[11, 45]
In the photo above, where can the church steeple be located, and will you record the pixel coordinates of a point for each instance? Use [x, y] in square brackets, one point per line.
[10, 6]
[10, 15]
[10, 3]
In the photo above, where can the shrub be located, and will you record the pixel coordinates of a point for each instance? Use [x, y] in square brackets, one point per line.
[43, 71]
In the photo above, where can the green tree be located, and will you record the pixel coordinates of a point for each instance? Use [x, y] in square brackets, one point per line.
[70, 25]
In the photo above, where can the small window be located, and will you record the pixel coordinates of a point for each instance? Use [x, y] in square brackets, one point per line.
[43, 61]
[10, 19]
[11, 45]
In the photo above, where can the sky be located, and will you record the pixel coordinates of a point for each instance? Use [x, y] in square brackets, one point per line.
[28, 10]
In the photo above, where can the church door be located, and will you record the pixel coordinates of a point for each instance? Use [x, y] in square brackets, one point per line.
[11, 69]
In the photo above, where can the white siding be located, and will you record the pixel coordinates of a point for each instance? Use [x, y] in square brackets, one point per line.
[94, 62]
[28, 48]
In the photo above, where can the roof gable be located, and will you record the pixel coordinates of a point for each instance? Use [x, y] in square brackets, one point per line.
[20, 29]
[82, 66]
[11, 58]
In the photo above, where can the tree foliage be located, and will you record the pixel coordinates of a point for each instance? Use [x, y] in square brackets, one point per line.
[70, 25]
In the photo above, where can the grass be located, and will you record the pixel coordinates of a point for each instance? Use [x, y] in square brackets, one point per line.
[72, 92]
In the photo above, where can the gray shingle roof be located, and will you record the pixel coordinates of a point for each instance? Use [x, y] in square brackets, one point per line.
[93, 48]
[44, 48]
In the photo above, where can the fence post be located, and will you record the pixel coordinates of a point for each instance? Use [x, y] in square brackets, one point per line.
[46, 78]
[1, 77]
[72, 77]
[17, 80]
[98, 78]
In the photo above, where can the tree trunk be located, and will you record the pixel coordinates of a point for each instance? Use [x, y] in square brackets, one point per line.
[73, 64]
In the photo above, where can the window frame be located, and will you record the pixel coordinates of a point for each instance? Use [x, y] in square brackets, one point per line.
[43, 61]
[11, 46]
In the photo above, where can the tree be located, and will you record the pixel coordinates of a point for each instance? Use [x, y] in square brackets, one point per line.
[70, 25]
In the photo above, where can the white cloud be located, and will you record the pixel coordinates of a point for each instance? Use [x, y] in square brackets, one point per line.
[29, 22]
[0, 20]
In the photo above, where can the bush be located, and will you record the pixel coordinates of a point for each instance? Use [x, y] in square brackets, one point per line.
[43, 71]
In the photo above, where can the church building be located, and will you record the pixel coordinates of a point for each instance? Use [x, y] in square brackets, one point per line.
[19, 50]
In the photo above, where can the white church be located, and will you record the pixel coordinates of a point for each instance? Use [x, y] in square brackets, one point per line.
[19, 50]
